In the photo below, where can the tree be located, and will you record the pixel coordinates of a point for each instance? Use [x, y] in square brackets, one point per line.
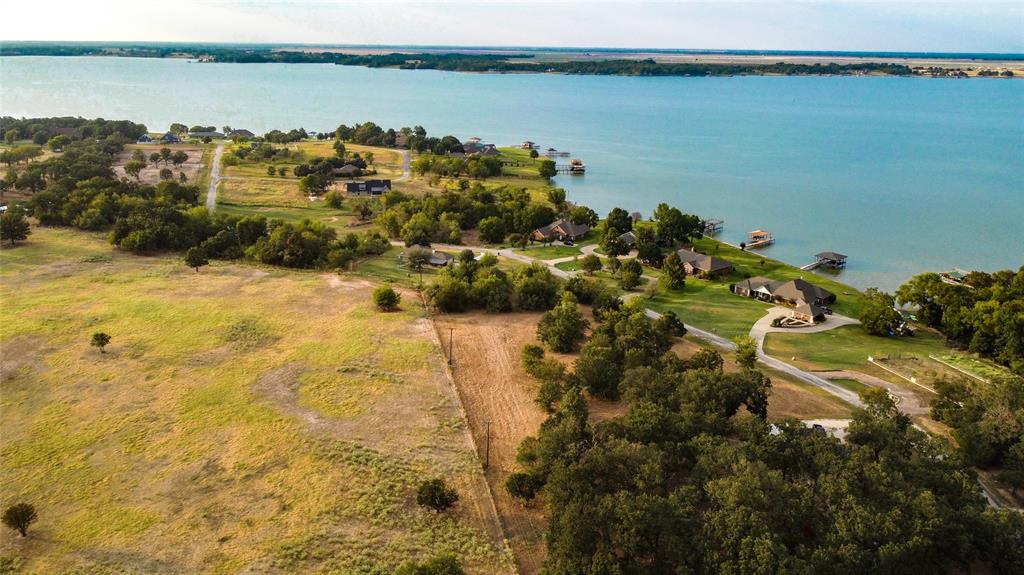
[746, 351]
[100, 340]
[598, 368]
[179, 129]
[582, 215]
[339, 149]
[19, 516]
[878, 315]
[706, 359]
[282, 171]
[523, 485]
[673, 274]
[435, 494]
[417, 258]
[590, 264]
[154, 158]
[612, 245]
[492, 230]
[58, 142]
[546, 169]
[165, 154]
[334, 200]
[166, 174]
[271, 170]
[196, 258]
[178, 158]
[441, 565]
[557, 197]
[386, 298]
[629, 274]
[534, 154]
[563, 327]
[619, 220]
[133, 168]
[13, 226]
[419, 230]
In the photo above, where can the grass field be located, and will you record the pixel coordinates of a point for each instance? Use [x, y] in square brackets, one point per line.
[242, 419]
[848, 347]
[551, 252]
[710, 306]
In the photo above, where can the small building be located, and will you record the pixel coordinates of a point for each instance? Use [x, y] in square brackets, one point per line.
[347, 171]
[440, 259]
[628, 239]
[144, 139]
[170, 138]
[795, 291]
[473, 140]
[528, 145]
[561, 229]
[368, 188]
[698, 264]
[757, 287]
[759, 238]
[955, 276]
[241, 134]
[830, 260]
[201, 135]
[808, 312]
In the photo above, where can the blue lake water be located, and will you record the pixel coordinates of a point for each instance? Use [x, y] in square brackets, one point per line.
[902, 174]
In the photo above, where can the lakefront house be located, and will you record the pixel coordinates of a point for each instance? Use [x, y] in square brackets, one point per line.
[698, 264]
[560, 229]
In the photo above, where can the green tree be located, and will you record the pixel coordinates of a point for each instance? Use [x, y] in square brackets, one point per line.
[19, 517]
[419, 230]
[165, 155]
[13, 226]
[564, 327]
[536, 288]
[441, 565]
[582, 215]
[557, 197]
[590, 264]
[178, 158]
[492, 230]
[629, 274]
[334, 200]
[746, 351]
[417, 258]
[878, 315]
[619, 220]
[133, 168]
[546, 169]
[58, 142]
[196, 258]
[386, 298]
[708, 359]
[612, 245]
[100, 340]
[673, 274]
[435, 494]
[523, 486]
[166, 174]
[271, 170]
[598, 368]
[283, 171]
[154, 158]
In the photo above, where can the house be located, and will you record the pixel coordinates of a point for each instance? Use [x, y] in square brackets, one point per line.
[242, 134]
[368, 187]
[628, 239]
[795, 291]
[440, 259]
[561, 229]
[758, 287]
[955, 276]
[528, 145]
[347, 171]
[170, 138]
[474, 140]
[202, 135]
[830, 260]
[73, 133]
[144, 139]
[699, 264]
[472, 148]
[808, 312]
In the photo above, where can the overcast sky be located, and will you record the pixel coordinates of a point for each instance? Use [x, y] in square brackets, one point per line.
[966, 26]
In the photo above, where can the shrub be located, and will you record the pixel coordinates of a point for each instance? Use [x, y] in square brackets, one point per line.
[523, 485]
[590, 264]
[334, 200]
[435, 494]
[563, 328]
[441, 565]
[386, 298]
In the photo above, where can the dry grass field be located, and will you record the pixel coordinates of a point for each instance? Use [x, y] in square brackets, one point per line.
[194, 169]
[242, 420]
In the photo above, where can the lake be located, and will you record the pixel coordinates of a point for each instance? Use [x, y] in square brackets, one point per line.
[902, 174]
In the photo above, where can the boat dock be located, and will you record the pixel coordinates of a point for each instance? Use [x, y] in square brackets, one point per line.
[713, 226]
[573, 168]
[759, 239]
[831, 260]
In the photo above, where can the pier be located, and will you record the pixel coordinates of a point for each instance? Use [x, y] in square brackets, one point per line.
[830, 260]
[713, 226]
[759, 239]
[573, 168]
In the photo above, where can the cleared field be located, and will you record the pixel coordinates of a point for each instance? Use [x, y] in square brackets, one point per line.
[387, 162]
[710, 306]
[278, 191]
[193, 168]
[551, 252]
[242, 420]
[848, 347]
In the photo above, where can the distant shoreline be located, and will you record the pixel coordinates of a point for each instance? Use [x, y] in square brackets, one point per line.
[577, 61]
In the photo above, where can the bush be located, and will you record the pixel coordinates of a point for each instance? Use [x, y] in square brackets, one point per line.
[590, 264]
[386, 298]
[523, 485]
[563, 328]
[442, 565]
[435, 494]
[334, 200]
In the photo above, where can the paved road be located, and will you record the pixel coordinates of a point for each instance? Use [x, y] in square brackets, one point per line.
[406, 171]
[211, 193]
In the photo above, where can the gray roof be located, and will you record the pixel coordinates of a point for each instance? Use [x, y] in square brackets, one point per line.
[629, 238]
[758, 282]
[205, 135]
[241, 134]
[703, 262]
[564, 227]
[346, 169]
[831, 256]
[801, 290]
[808, 309]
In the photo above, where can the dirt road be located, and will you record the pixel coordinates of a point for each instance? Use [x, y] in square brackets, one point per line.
[211, 192]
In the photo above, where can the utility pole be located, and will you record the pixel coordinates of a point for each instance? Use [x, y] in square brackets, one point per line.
[487, 448]
[451, 336]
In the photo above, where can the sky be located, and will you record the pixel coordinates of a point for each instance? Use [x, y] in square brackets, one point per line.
[918, 26]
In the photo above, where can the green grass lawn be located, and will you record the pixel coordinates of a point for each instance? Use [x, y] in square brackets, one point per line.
[848, 347]
[551, 252]
[748, 264]
[709, 305]
[385, 267]
[850, 385]
[513, 154]
[981, 368]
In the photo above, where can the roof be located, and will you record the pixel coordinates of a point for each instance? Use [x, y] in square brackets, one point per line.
[440, 258]
[801, 290]
[757, 282]
[830, 256]
[205, 135]
[564, 227]
[703, 262]
[808, 309]
[346, 169]
[241, 134]
[628, 237]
